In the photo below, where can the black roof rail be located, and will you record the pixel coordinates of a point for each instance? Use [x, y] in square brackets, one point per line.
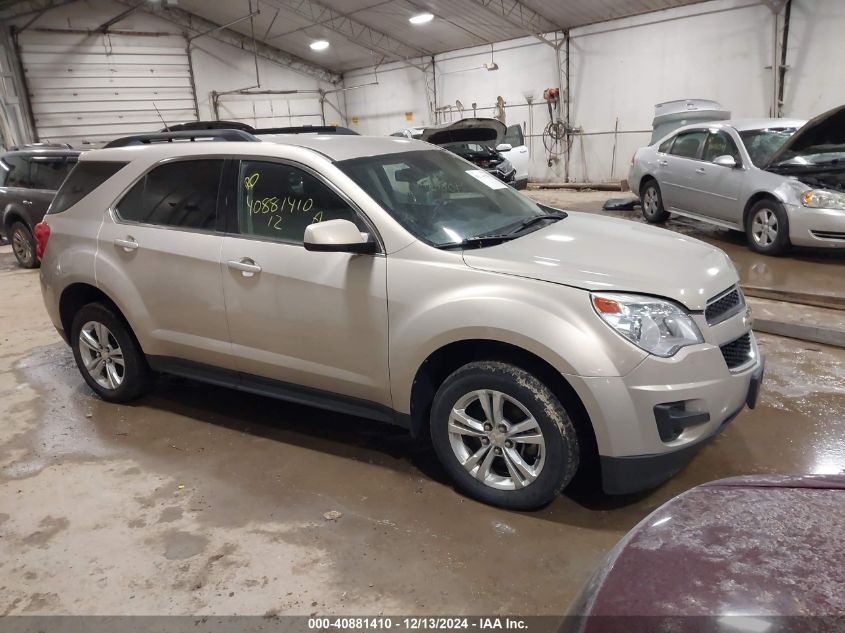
[307, 129]
[185, 135]
[209, 125]
[18, 148]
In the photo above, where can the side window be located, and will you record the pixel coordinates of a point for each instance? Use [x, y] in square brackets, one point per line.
[688, 144]
[278, 201]
[181, 194]
[719, 144]
[49, 173]
[514, 136]
[18, 171]
[665, 145]
[83, 179]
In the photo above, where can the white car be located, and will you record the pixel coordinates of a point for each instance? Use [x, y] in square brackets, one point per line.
[388, 278]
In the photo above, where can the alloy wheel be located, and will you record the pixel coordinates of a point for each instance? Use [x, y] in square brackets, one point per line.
[497, 440]
[764, 227]
[22, 246]
[650, 202]
[101, 355]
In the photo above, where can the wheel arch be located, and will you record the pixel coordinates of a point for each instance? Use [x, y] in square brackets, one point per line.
[754, 199]
[644, 180]
[450, 357]
[80, 294]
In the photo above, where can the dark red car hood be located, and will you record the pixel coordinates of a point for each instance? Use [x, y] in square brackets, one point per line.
[752, 546]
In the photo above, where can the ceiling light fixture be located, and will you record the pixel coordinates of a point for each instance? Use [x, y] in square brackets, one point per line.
[319, 45]
[421, 18]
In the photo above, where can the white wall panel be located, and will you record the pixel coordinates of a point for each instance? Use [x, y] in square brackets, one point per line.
[88, 87]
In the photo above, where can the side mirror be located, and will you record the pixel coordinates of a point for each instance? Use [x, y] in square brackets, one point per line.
[504, 147]
[337, 236]
[725, 161]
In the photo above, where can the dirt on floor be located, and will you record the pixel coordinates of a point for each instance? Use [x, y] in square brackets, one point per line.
[202, 500]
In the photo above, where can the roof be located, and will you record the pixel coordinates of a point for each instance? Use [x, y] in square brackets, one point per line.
[333, 147]
[43, 152]
[742, 125]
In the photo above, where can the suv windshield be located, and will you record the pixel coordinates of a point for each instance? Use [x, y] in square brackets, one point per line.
[762, 144]
[440, 198]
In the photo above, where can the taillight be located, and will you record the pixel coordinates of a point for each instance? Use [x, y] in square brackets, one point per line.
[42, 234]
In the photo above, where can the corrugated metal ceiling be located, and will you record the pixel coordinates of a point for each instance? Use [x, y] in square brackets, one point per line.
[366, 32]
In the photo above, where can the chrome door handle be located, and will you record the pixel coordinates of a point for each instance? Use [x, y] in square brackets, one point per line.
[128, 244]
[245, 265]
[663, 162]
[700, 170]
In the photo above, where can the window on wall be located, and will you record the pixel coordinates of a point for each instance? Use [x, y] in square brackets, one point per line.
[688, 144]
[719, 144]
[180, 194]
[278, 201]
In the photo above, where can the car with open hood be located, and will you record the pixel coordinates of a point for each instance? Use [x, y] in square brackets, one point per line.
[488, 143]
[388, 278]
[780, 181]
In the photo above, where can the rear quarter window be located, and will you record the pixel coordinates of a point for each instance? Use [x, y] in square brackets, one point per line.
[82, 180]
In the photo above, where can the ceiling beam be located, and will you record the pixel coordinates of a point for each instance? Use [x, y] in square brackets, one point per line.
[356, 32]
[197, 24]
[519, 15]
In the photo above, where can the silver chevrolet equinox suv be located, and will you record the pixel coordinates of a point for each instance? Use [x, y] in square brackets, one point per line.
[390, 279]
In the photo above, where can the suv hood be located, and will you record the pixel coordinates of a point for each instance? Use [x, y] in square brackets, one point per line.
[487, 131]
[607, 254]
[815, 135]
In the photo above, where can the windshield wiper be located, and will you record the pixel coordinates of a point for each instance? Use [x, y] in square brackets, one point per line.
[480, 241]
[537, 218]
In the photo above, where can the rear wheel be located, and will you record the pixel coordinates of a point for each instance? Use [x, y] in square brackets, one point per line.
[107, 354]
[652, 203]
[23, 245]
[767, 228]
[503, 436]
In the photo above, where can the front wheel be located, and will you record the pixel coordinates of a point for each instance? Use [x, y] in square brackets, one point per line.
[23, 245]
[503, 436]
[107, 354]
[767, 228]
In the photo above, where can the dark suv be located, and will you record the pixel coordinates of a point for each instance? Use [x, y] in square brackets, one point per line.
[29, 178]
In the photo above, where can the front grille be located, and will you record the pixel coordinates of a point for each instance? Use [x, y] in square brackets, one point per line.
[737, 353]
[724, 306]
[829, 235]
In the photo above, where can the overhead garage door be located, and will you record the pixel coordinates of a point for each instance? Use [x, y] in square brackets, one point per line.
[268, 110]
[88, 89]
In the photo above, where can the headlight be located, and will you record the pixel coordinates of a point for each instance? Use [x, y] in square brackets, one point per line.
[659, 327]
[823, 199]
[505, 166]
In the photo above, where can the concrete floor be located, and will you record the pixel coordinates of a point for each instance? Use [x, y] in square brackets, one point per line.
[202, 500]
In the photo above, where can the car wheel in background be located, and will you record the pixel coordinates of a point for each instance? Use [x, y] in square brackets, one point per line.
[23, 245]
[767, 228]
[651, 201]
[503, 436]
[107, 354]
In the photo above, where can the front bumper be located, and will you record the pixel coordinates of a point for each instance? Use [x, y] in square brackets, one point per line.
[625, 412]
[819, 228]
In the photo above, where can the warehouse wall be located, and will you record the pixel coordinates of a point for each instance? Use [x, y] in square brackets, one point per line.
[217, 66]
[620, 69]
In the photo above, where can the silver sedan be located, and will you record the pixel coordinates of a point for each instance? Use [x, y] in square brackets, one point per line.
[780, 181]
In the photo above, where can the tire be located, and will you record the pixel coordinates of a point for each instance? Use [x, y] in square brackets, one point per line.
[23, 245]
[767, 228]
[118, 384]
[651, 201]
[495, 477]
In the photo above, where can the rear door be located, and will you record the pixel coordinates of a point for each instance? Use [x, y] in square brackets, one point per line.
[518, 155]
[719, 187]
[159, 259]
[310, 319]
[677, 169]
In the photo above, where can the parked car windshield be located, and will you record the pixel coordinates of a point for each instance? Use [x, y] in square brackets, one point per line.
[439, 197]
[762, 144]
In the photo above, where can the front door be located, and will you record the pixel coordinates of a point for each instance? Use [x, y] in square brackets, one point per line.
[718, 187]
[310, 319]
